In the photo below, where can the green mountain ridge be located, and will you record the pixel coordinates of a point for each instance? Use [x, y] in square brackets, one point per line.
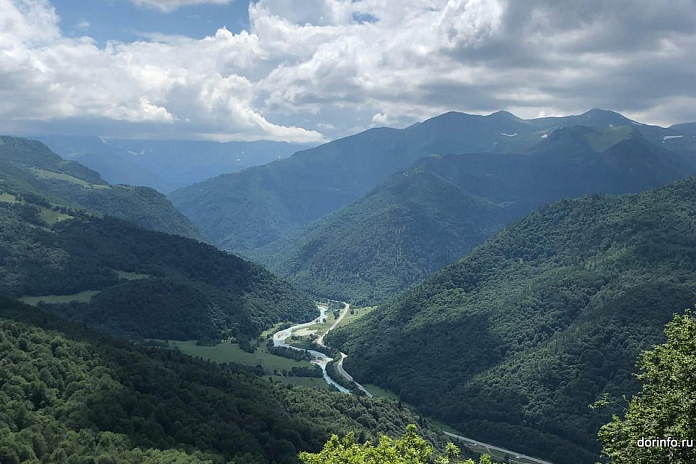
[413, 224]
[29, 167]
[432, 214]
[110, 274]
[511, 344]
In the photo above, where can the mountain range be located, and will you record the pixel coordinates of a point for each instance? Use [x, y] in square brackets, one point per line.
[244, 211]
[433, 213]
[78, 246]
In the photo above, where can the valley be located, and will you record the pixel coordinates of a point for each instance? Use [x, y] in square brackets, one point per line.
[347, 232]
[321, 326]
[278, 367]
[488, 297]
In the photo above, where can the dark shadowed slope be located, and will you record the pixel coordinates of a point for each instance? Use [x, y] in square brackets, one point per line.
[110, 274]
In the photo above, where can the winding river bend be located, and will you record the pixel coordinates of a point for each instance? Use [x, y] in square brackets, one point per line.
[318, 358]
[321, 360]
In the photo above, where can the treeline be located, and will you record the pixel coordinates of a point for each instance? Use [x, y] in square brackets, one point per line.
[284, 351]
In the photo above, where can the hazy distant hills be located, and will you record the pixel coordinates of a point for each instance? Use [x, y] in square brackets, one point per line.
[247, 210]
[166, 165]
[435, 212]
[511, 343]
[29, 167]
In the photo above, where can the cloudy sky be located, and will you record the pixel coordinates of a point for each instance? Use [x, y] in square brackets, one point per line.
[314, 70]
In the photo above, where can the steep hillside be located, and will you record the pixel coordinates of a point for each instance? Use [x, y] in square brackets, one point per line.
[247, 210]
[426, 217]
[412, 225]
[71, 395]
[511, 343]
[108, 273]
[29, 167]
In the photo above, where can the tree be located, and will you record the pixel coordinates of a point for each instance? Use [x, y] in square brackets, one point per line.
[409, 449]
[660, 423]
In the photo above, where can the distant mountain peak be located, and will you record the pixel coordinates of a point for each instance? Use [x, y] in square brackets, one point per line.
[608, 116]
[503, 114]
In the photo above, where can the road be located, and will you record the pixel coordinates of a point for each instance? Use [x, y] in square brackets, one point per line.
[339, 364]
[486, 448]
[321, 359]
[346, 308]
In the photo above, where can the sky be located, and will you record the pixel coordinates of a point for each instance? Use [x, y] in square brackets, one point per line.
[314, 70]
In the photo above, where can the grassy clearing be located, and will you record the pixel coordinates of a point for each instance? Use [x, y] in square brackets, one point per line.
[357, 313]
[381, 392]
[609, 137]
[43, 174]
[8, 198]
[131, 275]
[231, 352]
[51, 217]
[82, 297]
[268, 333]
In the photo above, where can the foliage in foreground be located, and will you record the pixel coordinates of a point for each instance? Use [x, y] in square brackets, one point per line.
[71, 395]
[409, 449]
[665, 409]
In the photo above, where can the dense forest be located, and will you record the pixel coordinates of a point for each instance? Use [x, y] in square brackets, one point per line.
[512, 343]
[426, 217]
[29, 167]
[107, 273]
[72, 395]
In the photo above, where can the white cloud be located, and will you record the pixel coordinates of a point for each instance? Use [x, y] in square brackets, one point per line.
[171, 5]
[320, 68]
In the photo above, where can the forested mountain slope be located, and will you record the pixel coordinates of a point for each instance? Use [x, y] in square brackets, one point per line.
[511, 343]
[111, 274]
[410, 226]
[426, 217]
[70, 395]
[250, 209]
[29, 167]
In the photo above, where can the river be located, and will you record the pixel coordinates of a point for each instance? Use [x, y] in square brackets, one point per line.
[320, 359]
